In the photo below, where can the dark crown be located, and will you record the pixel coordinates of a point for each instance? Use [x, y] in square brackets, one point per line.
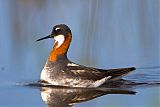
[61, 29]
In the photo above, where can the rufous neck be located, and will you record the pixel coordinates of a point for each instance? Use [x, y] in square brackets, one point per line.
[60, 52]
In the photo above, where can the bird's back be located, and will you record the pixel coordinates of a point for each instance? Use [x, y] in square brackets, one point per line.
[67, 73]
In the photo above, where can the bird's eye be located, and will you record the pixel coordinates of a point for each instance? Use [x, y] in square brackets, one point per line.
[57, 29]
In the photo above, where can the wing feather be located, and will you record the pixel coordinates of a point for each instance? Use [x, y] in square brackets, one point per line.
[94, 74]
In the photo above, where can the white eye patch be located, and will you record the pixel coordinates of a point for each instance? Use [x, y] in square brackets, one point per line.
[57, 29]
[60, 39]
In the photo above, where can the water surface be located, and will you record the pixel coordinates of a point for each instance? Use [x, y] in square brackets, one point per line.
[106, 34]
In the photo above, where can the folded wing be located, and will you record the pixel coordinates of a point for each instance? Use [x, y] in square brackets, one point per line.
[95, 74]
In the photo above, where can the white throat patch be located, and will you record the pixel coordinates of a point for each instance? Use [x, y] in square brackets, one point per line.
[59, 39]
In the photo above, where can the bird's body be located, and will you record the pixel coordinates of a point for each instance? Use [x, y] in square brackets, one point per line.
[59, 70]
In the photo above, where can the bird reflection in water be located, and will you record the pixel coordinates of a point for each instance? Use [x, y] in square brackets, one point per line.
[55, 96]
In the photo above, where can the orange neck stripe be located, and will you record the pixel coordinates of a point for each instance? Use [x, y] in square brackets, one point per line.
[62, 50]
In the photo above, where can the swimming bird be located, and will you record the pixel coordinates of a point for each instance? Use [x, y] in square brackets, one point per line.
[60, 71]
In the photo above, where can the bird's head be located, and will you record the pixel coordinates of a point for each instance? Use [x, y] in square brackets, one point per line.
[59, 34]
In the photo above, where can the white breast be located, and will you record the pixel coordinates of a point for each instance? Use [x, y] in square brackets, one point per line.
[44, 74]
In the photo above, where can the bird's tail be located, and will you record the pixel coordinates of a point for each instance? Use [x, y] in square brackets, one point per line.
[118, 73]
